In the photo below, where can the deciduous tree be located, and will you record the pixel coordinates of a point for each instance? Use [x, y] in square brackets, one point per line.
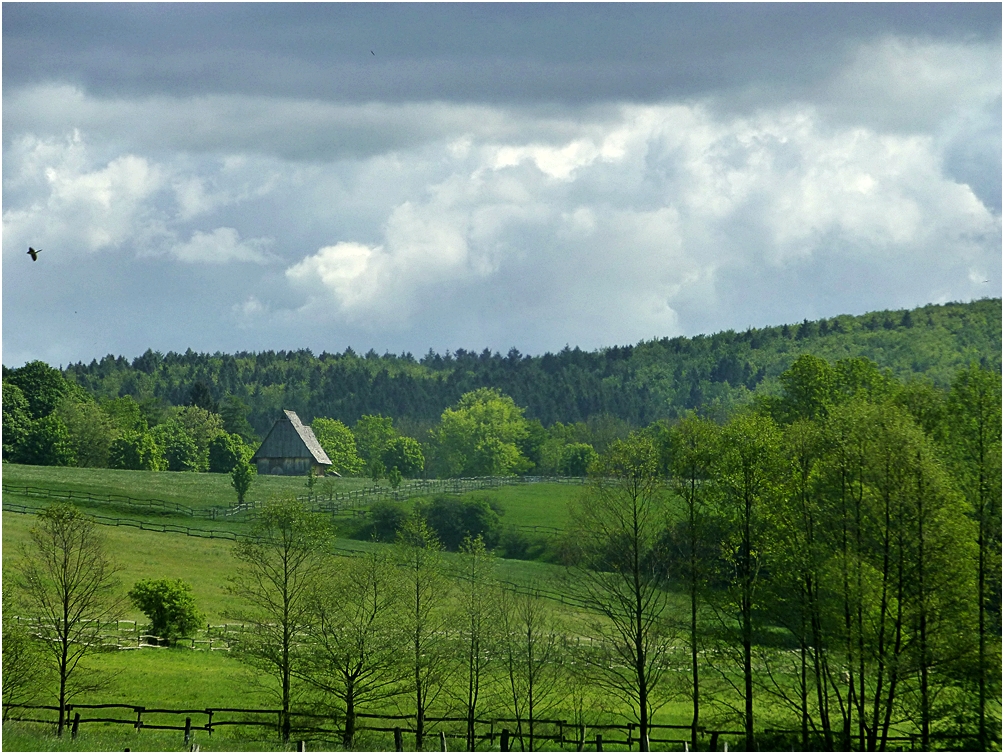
[621, 576]
[279, 564]
[68, 582]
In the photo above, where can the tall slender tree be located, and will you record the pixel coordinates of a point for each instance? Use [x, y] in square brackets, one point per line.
[748, 473]
[279, 565]
[68, 582]
[423, 616]
[621, 576]
[974, 431]
[691, 455]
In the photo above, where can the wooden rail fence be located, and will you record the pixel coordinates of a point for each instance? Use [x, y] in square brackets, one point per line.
[318, 726]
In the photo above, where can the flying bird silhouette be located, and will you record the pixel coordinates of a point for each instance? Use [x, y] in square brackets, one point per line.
[33, 253]
[372, 53]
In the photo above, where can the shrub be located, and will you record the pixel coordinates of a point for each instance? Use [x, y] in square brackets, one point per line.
[454, 519]
[387, 517]
[169, 604]
[242, 477]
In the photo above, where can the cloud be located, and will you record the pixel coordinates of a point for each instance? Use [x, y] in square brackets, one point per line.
[410, 225]
[221, 246]
[58, 194]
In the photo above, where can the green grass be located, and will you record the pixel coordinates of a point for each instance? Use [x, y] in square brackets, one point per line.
[196, 490]
[177, 678]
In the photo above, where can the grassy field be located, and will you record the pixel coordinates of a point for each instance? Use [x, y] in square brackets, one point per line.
[197, 679]
[187, 488]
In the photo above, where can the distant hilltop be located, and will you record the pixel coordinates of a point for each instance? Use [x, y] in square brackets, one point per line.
[636, 385]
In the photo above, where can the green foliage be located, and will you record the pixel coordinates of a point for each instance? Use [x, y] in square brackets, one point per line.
[373, 434]
[47, 443]
[455, 519]
[125, 413]
[480, 436]
[339, 443]
[225, 450]
[200, 425]
[169, 604]
[242, 477]
[405, 455]
[576, 459]
[394, 478]
[387, 518]
[91, 430]
[42, 386]
[138, 451]
[234, 413]
[179, 448]
[16, 419]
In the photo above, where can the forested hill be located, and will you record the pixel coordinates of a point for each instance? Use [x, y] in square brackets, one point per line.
[637, 384]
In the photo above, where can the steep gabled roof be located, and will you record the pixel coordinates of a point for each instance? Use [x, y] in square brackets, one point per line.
[290, 438]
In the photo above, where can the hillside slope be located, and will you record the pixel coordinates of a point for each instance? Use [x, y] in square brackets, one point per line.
[637, 384]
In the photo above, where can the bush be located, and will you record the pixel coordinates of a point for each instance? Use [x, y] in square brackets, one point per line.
[454, 519]
[169, 604]
[386, 518]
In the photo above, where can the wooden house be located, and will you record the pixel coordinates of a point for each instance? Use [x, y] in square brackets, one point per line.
[291, 449]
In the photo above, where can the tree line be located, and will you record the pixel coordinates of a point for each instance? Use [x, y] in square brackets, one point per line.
[829, 558]
[632, 384]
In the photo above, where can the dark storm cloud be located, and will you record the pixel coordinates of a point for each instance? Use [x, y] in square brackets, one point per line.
[498, 53]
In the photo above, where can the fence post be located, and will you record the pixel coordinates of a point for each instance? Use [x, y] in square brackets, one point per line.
[139, 718]
[188, 730]
[582, 738]
[714, 740]
[398, 740]
[630, 735]
[301, 745]
[504, 740]
[76, 724]
[442, 741]
[599, 742]
[209, 725]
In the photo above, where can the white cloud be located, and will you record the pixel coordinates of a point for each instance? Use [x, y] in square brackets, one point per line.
[61, 195]
[592, 226]
[221, 246]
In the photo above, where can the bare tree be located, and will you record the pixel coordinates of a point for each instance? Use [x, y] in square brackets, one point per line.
[279, 563]
[355, 636]
[619, 526]
[69, 583]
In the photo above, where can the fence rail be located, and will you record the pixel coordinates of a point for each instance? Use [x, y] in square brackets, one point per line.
[561, 732]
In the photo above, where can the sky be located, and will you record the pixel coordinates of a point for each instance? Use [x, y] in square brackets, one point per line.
[405, 177]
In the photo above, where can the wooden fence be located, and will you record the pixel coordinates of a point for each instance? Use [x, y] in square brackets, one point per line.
[493, 732]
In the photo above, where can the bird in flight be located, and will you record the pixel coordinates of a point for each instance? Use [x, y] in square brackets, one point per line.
[372, 53]
[33, 253]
